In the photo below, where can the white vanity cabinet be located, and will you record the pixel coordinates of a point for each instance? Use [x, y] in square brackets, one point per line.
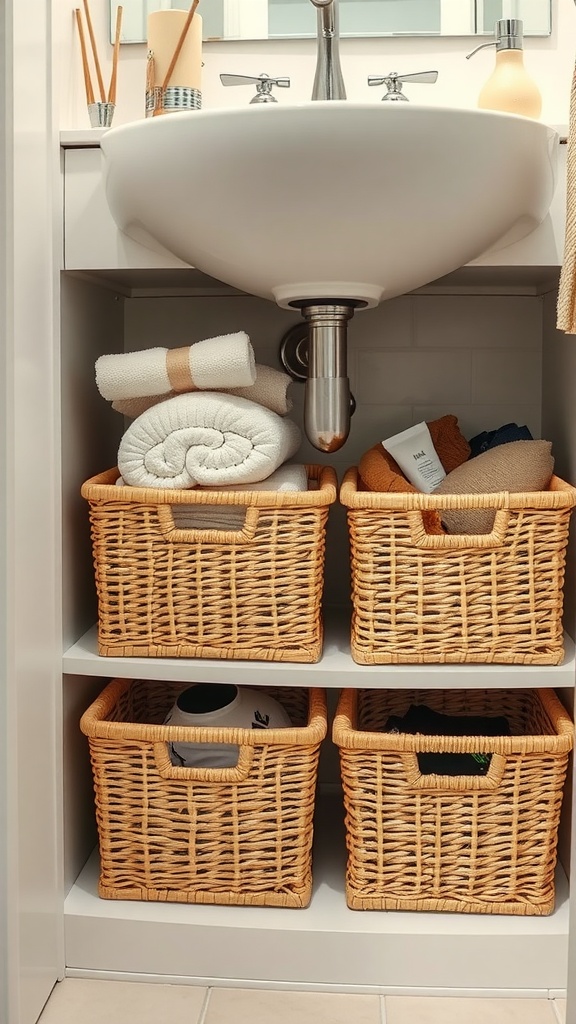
[118, 295]
[93, 242]
[71, 290]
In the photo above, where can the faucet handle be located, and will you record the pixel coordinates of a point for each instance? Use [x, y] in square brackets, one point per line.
[263, 85]
[394, 82]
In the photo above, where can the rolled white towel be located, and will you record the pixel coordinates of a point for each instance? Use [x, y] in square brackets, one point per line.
[223, 362]
[269, 389]
[205, 438]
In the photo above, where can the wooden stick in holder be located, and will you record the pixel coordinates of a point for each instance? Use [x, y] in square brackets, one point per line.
[179, 45]
[85, 65]
[114, 77]
[95, 52]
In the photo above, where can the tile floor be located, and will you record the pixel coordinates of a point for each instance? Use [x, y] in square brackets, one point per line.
[92, 1002]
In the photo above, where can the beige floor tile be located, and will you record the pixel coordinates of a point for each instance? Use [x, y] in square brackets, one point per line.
[432, 1010]
[79, 1001]
[244, 1006]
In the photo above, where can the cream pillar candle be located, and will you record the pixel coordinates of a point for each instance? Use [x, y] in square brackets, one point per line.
[164, 31]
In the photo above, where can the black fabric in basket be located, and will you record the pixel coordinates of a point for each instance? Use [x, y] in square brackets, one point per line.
[422, 720]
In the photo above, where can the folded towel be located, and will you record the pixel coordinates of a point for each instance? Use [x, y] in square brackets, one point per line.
[269, 389]
[223, 362]
[205, 438]
[290, 477]
[378, 471]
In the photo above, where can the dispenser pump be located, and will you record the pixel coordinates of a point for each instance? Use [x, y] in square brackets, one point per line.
[509, 88]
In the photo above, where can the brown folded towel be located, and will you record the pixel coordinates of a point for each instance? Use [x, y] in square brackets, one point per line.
[378, 471]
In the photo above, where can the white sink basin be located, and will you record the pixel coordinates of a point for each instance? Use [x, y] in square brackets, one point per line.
[329, 200]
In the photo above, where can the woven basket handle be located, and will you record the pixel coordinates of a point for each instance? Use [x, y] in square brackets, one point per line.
[457, 783]
[447, 541]
[175, 535]
[236, 773]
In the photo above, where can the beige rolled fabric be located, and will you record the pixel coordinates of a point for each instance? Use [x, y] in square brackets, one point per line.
[270, 389]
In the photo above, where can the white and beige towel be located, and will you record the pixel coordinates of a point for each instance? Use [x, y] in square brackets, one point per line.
[226, 361]
[270, 389]
[205, 439]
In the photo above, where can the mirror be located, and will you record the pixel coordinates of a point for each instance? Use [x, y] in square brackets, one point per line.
[294, 19]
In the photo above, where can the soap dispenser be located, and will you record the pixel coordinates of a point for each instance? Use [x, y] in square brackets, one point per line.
[509, 88]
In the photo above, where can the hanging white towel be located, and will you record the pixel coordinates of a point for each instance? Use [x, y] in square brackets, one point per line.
[566, 307]
[205, 439]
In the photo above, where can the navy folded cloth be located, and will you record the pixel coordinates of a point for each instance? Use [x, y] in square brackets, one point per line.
[424, 720]
[502, 435]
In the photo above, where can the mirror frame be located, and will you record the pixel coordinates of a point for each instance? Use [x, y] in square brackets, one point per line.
[475, 13]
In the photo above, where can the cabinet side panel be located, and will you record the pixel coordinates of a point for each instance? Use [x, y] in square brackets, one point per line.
[559, 425]
[92, 325]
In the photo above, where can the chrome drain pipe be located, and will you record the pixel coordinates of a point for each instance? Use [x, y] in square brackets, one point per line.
[327, 389]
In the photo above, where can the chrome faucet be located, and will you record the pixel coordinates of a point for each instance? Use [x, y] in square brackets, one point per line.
[328, 81]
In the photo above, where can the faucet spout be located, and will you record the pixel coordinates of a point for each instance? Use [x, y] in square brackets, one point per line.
[328, 81]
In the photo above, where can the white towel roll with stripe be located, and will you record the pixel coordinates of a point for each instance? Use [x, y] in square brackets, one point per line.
[226, 361]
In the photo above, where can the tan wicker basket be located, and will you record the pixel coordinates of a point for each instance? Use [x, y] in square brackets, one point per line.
[479, 844]
[419, 597]
[240, 835]
[250, 593]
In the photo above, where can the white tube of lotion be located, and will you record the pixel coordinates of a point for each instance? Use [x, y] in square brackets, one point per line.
[416, 455]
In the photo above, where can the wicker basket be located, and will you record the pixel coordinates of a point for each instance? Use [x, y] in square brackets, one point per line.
[419, 597]
[479, 844]
[254, 592]
[240, 835]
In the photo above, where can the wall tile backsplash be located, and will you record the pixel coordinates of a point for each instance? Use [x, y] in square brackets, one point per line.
[477, 321]
[413, 377]
[413, 358]
[495, 375]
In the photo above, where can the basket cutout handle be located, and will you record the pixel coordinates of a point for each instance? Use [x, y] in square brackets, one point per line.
[455, 541]
[455, 783]
[235, 773]
[176, 535]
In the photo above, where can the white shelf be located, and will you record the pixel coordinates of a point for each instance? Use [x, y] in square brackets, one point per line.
[325, 946]
[335, 668]
[83, 138]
